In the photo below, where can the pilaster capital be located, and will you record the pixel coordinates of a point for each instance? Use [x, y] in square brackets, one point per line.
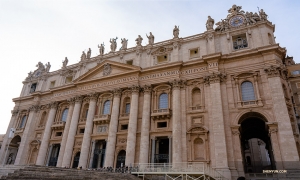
[35, 108]
[176, 83]
[117, 92]
[235, 130]
[276, 71]
[273, 127]
[78, 99]
[135, 89]
[147, 89]
[215, 77]
[53, 105]
[71, 101]
[93, 96]
[14, 112]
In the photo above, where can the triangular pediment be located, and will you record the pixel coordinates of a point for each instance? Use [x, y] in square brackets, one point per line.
[106, 69]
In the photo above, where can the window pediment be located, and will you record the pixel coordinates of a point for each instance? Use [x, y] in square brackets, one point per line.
[198, 129]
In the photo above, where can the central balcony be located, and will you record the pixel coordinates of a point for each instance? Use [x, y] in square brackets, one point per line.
[161, 114]
[58, 125]
[102, 119]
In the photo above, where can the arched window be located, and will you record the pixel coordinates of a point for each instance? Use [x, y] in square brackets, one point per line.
[163, 101]
[247, 91]
[23, 121]
[127, 108]
[106, 107]
[64, 115]
[198, 149]
[196, 97]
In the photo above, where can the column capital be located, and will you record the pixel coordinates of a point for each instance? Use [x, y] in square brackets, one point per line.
[134, 89]
[78, 99]
[35, 108]
[215, 77]
[276, 71]
[52, 105]
[177, 83]
[71, 101]
[117, 92]
[147, 89]
[93, 96]
[14, 112]
[273, 127]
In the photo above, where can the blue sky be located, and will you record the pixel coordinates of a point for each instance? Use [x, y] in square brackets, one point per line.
[48, 31]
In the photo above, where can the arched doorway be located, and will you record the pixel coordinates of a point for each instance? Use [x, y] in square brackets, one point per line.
[255, 143]
[13, 150]
[121, 158]
[76, 160]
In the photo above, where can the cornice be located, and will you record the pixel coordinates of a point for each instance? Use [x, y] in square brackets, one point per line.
[169, 65]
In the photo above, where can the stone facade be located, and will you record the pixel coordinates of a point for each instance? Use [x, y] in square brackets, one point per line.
[209, 98]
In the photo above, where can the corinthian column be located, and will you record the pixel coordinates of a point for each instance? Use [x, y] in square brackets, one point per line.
[132, 126]
[72, 132]
[27, 136]
[71, 102]
[237, 150]
[176, 116]
[113, 127]
[6, 140]
[144, 145]
[46, 136]
[84, 153]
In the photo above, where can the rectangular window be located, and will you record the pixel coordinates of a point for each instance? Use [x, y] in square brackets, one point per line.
[127, 108]
[297, 72]
[69, 79]
[81, 131]
[124, 126]
[239, 42]
[130, 62]
[52, 84]
[33, 87]
[161, 124]
[194, 53]
[163, 58]
[58, 134]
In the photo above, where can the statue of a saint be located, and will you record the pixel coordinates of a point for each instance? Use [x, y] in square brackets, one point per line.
[113, 45]
[139, 40]
[124, 43]
[150, 38]
[83, 56]
[48, 66]
[40, 66]
[176, 31]
[263, 15]
[88, 54]
[101, 49]
[210, 23]
[65, 63]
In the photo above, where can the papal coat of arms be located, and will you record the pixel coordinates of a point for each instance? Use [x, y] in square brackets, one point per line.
[106, 69]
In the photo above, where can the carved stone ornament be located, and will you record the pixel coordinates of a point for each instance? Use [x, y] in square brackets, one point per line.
[14, 112]
[273, 130]
[237, 18]
[235, 132]
[117, 92]
[71, 101]
[106, 69]
[35, 108]
[147, 89]
[93, 96]
[276, 71]
[123, 140]
[78, 99]
[176, 83]
[139, 50]
[209, 37]
[134, 88]
[53, 105]
[39, 73]
[214, 78]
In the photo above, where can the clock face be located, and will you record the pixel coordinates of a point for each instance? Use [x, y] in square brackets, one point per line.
[236, 21]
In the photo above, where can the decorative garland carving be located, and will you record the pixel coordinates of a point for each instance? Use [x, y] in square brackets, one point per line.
[106, 69]
[276, 71]
[35, 108]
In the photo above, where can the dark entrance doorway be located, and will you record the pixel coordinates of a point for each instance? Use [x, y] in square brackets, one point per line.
[256, 144]
[12, 150]
[99, 154]
[54, 155]
[161, 150]
[121, 159]
[76, 160]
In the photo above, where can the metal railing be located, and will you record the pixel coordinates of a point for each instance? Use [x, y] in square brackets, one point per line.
[186, 168]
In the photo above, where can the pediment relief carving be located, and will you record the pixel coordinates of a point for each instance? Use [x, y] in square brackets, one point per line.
[107, 68]
[197, 129]
[162, 50]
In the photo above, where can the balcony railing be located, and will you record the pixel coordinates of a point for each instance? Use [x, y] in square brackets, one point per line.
[161, 113]
[102, 119]
[58, 125]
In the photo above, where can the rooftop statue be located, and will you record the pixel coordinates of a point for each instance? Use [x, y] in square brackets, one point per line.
[210, 23]
[88, 55]
[124, 43]
[48, 66]
[40, 66]
[234, 10]
[113, 45]
[263, 15]
[65, 63]
[139, 40]
[101, 49]
[83, 56]
[150, 38]
[176, 31]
